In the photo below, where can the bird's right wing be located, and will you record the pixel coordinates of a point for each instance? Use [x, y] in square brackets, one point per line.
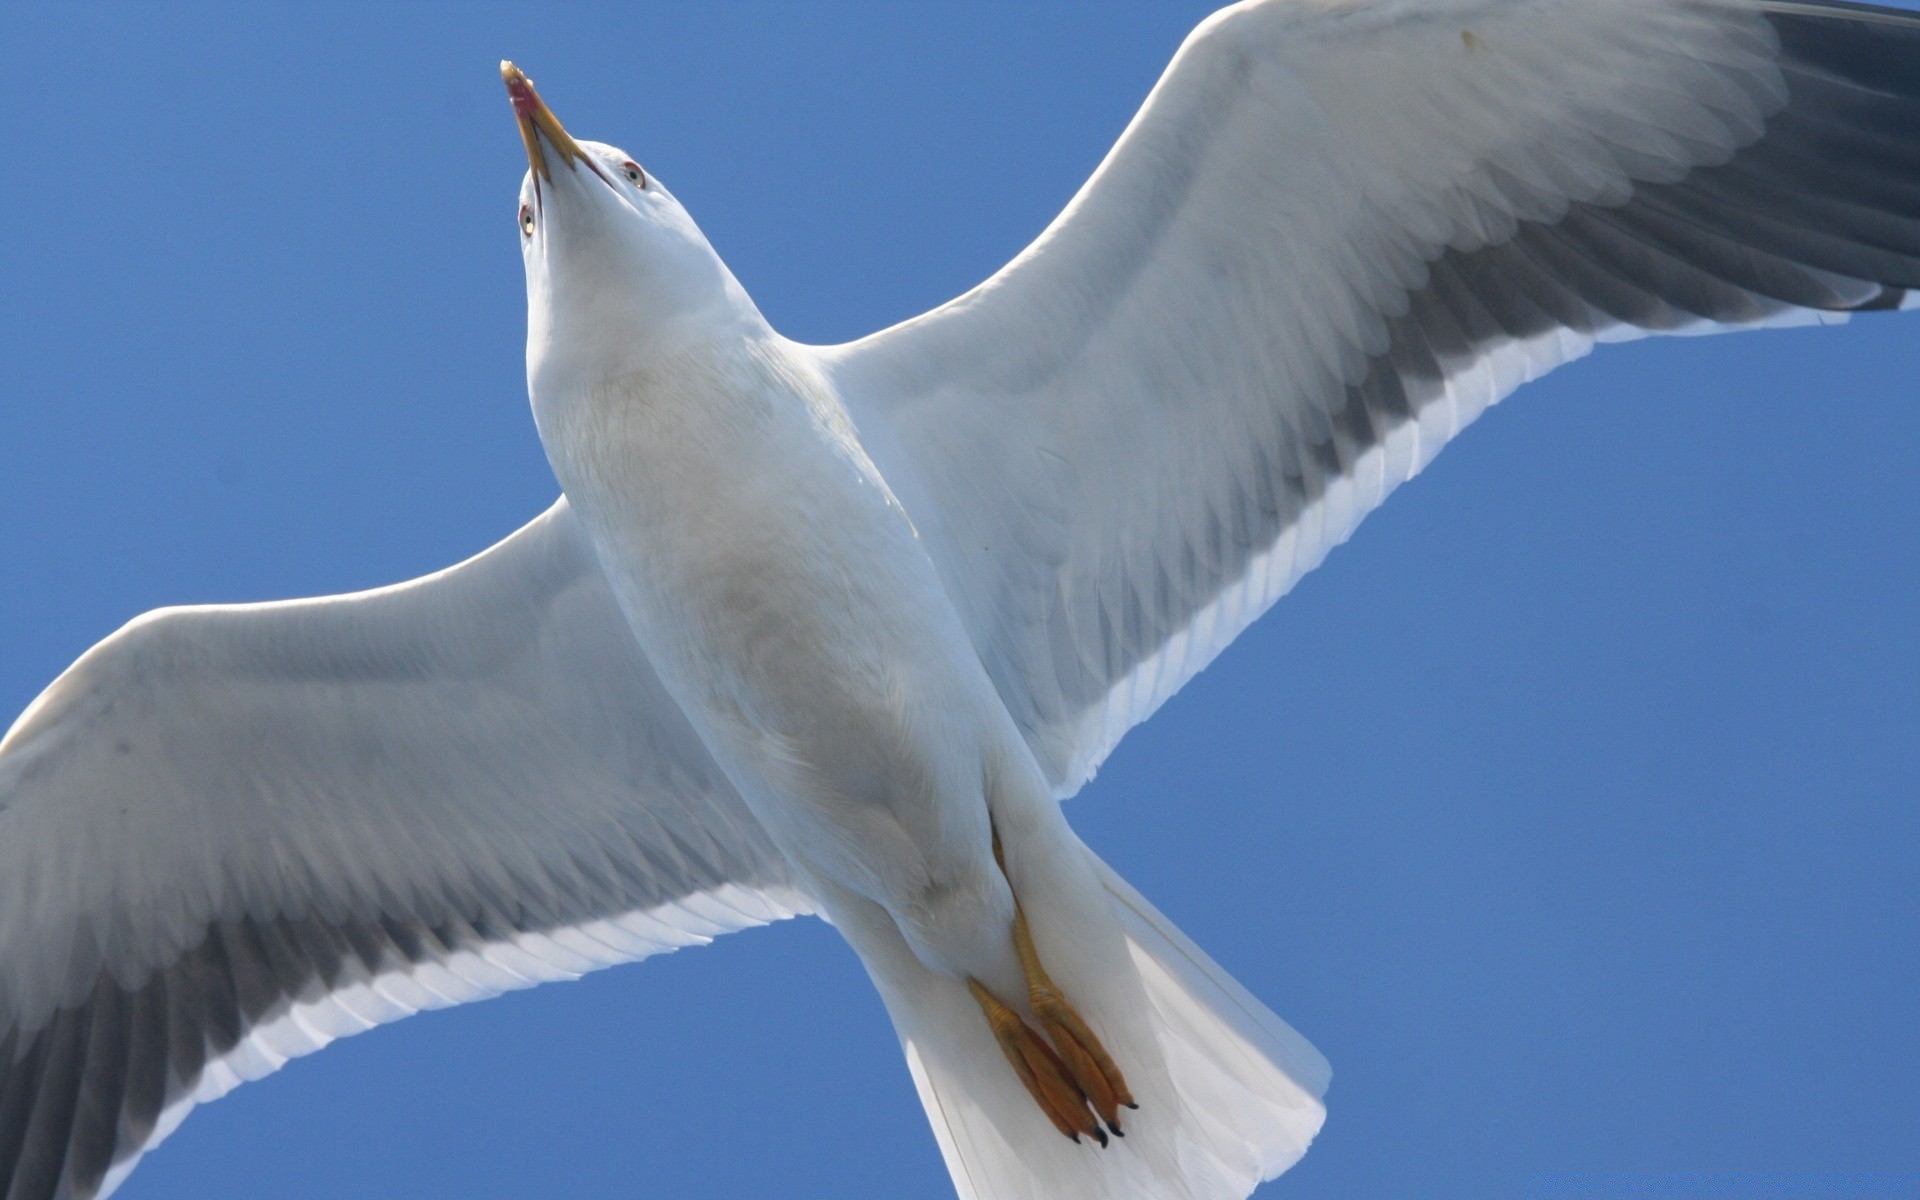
[1334, 234]
[229, 835]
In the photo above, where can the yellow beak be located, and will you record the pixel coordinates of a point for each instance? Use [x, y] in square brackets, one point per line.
[535, 119]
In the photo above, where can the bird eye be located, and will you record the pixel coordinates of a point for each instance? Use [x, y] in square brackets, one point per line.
[526, 220]
[634, 174]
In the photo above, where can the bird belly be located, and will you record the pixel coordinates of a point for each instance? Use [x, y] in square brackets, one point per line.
[855, 720]
[785, 600]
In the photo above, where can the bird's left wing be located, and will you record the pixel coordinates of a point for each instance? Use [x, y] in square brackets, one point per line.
[230, 835]
[1335, 233]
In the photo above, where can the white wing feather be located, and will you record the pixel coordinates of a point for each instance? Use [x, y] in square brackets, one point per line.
[1335, 233]
[230, 835]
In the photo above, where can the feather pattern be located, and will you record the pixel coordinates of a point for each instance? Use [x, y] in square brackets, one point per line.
[1332, 237]
[231, 835]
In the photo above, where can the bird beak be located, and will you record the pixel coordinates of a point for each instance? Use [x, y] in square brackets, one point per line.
[537, 120]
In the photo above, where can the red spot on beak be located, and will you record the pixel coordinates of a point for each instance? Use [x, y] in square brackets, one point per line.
[520, 93]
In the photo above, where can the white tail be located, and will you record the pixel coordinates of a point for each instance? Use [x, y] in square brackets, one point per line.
[1229, 1093]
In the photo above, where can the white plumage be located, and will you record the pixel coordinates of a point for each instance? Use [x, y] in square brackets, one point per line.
[810, 619]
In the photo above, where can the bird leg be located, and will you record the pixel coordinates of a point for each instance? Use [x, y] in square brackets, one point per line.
[1092, 1068]
[1039, 1068]
[1073, 1074]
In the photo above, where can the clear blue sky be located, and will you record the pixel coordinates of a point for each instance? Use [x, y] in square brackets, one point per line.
[1570, 809]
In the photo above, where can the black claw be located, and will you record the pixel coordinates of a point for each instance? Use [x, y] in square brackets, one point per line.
[1132, 1105]
[1075, 1137]
[1102, 1138]
[1117, 1131]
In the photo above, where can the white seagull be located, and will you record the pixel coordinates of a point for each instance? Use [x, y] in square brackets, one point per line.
[834, 630]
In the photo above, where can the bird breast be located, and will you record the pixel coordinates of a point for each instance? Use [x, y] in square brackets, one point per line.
[784, 597]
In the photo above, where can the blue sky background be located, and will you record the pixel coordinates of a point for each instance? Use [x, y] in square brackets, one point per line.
[1570, 809]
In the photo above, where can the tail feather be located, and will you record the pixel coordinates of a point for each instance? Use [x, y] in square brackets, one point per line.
[1227, 1052]
[1232, 1098]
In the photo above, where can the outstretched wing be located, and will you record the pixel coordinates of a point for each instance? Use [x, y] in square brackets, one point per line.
[1335, 233]
[230, 835]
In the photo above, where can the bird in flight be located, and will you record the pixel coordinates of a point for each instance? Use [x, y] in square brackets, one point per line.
[833, 630]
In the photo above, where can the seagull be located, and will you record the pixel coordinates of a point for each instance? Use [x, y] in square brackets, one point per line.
[833, 630]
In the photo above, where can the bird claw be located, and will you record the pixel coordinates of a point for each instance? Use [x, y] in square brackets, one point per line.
[1050, 1082]
[1092, 1068]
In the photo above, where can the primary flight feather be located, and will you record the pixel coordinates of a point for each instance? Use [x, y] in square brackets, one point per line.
[834, 629]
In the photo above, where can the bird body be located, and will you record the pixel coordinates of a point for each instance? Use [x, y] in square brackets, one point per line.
[844, 700]
[790, 608]
[834, 629]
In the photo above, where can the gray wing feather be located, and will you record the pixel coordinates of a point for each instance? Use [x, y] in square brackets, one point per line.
[230, 835]
[1333, 236]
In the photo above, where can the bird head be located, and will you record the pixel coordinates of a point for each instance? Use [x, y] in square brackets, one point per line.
[617, 272]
